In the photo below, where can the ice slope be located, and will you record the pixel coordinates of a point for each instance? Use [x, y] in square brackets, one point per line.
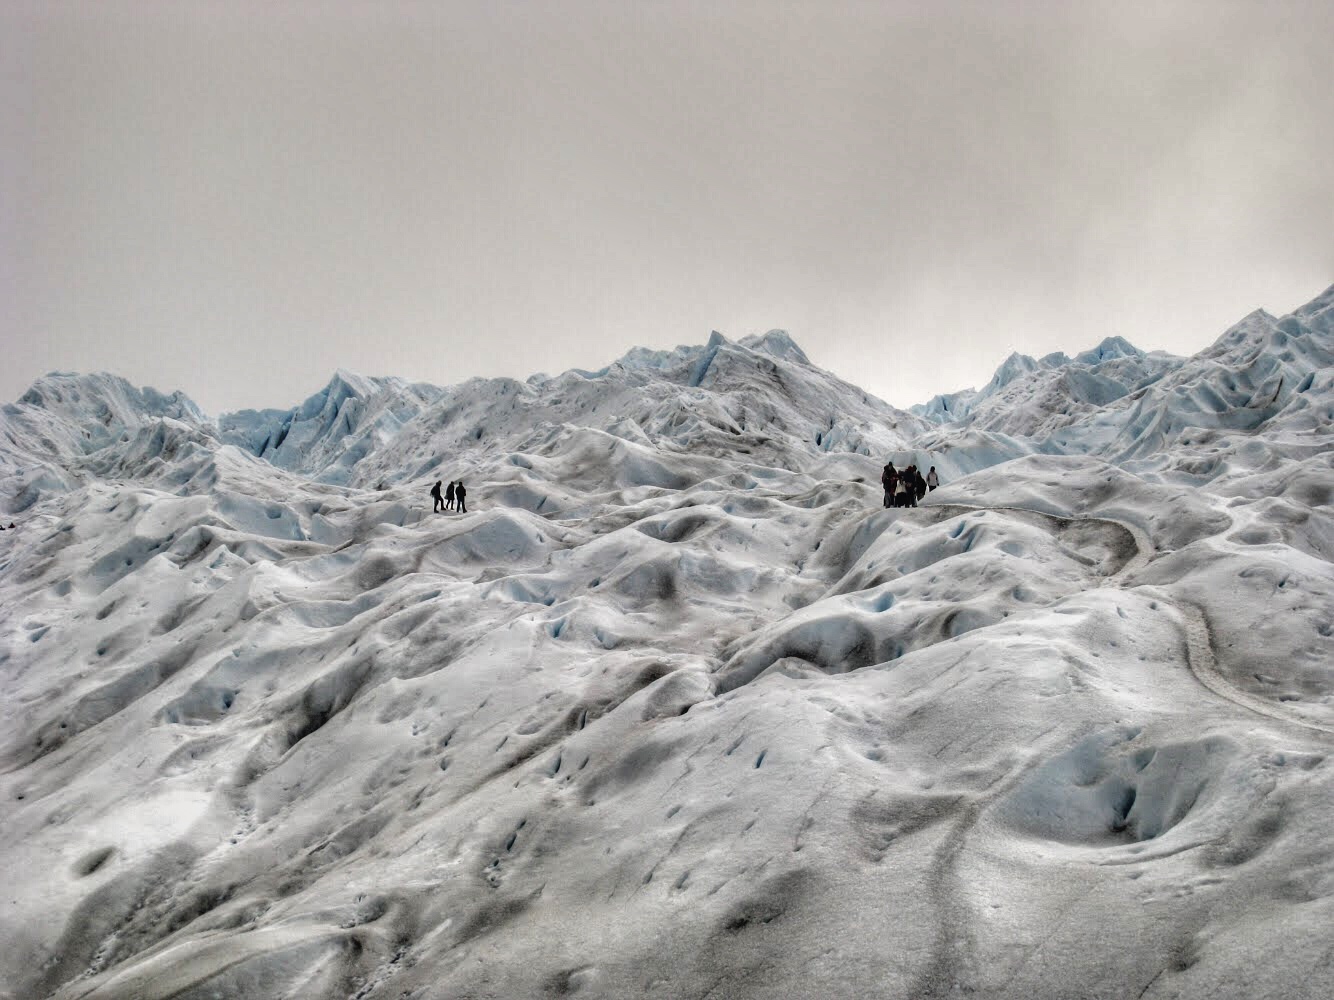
[1253, 383]
[1036, 398]
[46, 436]
[677, 709]
[1261, 389]
[759, 399]
[332, 430]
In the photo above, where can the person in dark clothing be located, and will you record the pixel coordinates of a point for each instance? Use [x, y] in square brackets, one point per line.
[889, 479]
[921, 485]
[449, 496]
[932, 480]
[435, 494]
[459, 494]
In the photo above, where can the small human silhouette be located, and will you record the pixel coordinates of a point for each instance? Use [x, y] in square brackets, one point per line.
[932, 480]
[449, 496]
[459, 494]
[435, 493]
[889, 479]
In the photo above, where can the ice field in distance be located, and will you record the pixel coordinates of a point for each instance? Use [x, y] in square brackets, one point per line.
[677, 709]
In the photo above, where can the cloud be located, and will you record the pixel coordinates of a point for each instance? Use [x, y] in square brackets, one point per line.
[447, 190]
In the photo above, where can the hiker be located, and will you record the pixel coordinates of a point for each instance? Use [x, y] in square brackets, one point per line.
[459, 494]
[889, 479]
[449, 496]
[435, 494]
[921, 485]
[901, 490]
[932, 480]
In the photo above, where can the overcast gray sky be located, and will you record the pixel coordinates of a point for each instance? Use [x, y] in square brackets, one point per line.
[237, 198]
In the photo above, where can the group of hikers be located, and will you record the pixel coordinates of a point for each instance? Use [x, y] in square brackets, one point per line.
[455, 495]
[904, 489]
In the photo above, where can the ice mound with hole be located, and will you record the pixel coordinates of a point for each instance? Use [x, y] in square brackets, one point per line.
[677, 709]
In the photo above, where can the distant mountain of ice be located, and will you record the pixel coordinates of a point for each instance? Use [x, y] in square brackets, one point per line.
[760, 396]
[1036, 397]
[677, 708]
[328, 434]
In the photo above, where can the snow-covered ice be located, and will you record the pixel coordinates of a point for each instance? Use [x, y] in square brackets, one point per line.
[677, 709]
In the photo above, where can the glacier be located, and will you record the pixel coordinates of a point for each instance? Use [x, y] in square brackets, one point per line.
[678, 709]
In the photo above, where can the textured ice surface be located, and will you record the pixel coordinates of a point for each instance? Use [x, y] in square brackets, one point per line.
[677, 709]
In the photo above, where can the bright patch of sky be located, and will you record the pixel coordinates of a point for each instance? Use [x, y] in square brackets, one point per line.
[235, 200]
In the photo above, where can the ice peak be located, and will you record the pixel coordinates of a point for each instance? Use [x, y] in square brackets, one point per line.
[347, 381]
[54, 386]
[102, 393]
[1012, 367]
[777, 344]
[1110, 349]
[1321, 303]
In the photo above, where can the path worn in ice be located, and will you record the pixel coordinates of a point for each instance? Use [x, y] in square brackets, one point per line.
[1199, 651]
[1200, 657]
[955, 962]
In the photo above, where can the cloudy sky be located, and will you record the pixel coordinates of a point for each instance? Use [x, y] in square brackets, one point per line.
[237, 198]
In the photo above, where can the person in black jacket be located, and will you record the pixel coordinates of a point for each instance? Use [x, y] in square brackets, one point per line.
[449, 496]
[889, 479]
[435, 494]
[459, 494]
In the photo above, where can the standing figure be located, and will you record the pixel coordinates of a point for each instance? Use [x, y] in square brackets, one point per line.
[435, 494]
[889, 479]
[932, 480]
[459, 494]
[449, 496]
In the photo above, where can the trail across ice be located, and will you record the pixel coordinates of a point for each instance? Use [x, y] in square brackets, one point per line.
[1144, 548]
[1199, 651]
[1204, 667]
